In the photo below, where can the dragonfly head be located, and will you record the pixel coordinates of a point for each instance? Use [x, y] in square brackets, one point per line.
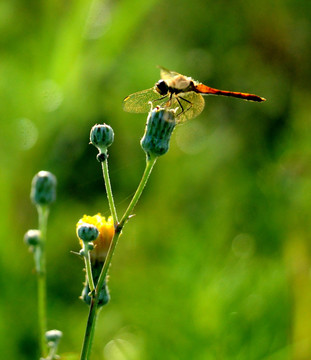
[161, 87]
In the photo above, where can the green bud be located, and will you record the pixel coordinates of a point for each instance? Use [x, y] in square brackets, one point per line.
[53, 335]
[32, 237]
[85, 295]
[87, 232]
[104, 296]
[102, 137]
[159, 128]
[43, 188]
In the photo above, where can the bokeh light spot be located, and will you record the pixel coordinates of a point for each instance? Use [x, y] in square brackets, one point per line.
[27, 133]
[98, 20]
[120, 349]
[192, 137]
[51, 95]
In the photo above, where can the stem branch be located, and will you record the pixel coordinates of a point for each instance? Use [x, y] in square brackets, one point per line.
[109, 191]
[88, 268]
[149, 165]
[89, 332]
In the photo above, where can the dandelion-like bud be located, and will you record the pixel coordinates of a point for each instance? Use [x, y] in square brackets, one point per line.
[102, 137]
[53, 336]
[103, 241]
[97, 254]
[159, 128]
[32, 237]
[43, 188]
[87, 232]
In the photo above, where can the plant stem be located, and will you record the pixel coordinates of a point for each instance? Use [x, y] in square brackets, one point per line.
[109, 191]
[88, 268]
[43, 212]
[149, 165]
[89, 332]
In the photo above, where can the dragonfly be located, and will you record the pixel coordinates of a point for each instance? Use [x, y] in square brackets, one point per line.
[180, 93]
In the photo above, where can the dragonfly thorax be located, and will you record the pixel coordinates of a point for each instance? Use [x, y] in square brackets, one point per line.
[180, 83]
[177, 85]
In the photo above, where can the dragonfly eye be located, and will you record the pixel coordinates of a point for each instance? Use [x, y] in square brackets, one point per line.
[161, 87]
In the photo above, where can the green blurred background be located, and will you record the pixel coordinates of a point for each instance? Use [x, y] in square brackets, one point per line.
[216, 262]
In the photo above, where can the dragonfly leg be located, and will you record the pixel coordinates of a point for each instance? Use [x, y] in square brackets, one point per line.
[182, 108]
[161, 98]
[168, 104]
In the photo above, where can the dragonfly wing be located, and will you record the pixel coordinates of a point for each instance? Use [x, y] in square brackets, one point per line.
[167, 74]
[139, 101]
[187, 105]
[190, 105]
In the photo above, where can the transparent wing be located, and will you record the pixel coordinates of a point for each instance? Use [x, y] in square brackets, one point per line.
[190, 105]
[187, 105]
[167, 74]
[139, 101]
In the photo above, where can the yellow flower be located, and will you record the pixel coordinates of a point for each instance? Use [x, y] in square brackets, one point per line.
[106, 233]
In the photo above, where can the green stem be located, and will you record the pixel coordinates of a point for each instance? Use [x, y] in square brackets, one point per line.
[149, 165]
[42, 312]
[109, 191]
[90, 327]
[88, 268]
[43, 212]
[89, 332]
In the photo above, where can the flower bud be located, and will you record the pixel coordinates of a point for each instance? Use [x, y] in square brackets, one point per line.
[106, 233]
[53, 335]
[102, 137]
[103, 298]
[159, 128]
[87, 232]
[43, 188]
[32, 237]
